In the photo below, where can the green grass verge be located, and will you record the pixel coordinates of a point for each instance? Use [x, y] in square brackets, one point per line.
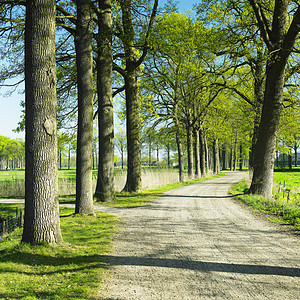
[126, 200]
[130, 200]
[72, 270]
[278, 208]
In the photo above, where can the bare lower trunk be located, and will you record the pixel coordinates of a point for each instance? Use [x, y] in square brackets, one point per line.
[202, 153]
[262, 181]
[216, 158]
[41, 222]
[105, 189]
[84, 62]
[190, 152]
[180, 156]
[197, 153]
[134, 171]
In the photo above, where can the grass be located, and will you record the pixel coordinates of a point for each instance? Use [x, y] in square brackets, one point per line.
[127, 200]
[72, 270]
[280, 209]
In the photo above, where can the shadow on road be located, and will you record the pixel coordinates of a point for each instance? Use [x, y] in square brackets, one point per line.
[203, 266]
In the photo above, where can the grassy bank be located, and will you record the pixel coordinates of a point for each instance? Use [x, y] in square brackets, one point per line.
[284, 208]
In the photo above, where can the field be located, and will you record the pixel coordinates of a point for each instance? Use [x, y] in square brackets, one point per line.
[12, 182]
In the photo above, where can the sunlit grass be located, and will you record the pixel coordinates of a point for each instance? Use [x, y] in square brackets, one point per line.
[72, 270]
[147, 196]
[281, 208]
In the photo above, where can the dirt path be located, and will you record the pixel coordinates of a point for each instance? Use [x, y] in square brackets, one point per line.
[198, 243]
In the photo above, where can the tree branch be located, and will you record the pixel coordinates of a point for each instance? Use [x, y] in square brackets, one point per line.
[262, 24]
[146, 42]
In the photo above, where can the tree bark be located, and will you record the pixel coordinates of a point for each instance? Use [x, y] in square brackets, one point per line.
[179, 150]
[84, 63]
[105, 190]
[41, 222]
[202, 153]
[216, 158]
[134, 169]
[197, 153]
[190, 151]
[280, 42]
[296, 154]
[259, 77]
[241, 157]
[224, 158]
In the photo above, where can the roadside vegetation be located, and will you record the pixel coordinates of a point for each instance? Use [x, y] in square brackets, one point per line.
[284, 207]
[73, 269]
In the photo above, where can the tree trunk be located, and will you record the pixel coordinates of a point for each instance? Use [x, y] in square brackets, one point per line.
[241, 157]
[262, 181]
[224, 156]
[259, 77]
[290, 162]
[280, 41]
[197, 153]
[41, 222]
[168, 155]
[134, 170]
[150, 152]
[202, 153]
[180, 152]
[235, 153]
[105, 190]
[190, 151]
[216, 158]
[60, 159]
[296, 155]
[69, 158]
[84, 62]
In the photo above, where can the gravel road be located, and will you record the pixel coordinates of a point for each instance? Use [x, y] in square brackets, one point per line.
[197, 242]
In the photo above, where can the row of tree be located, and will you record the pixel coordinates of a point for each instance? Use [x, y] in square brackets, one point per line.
[12, 153]
[221, 78]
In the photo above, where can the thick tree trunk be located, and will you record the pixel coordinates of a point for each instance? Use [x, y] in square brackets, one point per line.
[259, 77]
[84, 62]
[280, 41]
[134, 170]
[197, 153]
[202, 153]
[262, 181]
[105, 190]
[41, 222]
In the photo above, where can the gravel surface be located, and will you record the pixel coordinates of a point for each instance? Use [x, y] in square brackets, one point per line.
[197, 242]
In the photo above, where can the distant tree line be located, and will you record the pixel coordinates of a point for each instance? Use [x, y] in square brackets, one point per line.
[12, 153]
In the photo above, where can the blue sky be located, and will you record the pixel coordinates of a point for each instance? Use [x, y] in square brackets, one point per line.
[10, 109]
